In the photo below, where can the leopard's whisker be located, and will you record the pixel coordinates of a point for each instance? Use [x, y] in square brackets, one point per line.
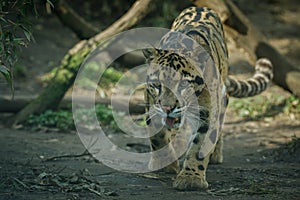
[149, 116]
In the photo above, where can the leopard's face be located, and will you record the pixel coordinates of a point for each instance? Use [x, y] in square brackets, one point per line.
[172, 88]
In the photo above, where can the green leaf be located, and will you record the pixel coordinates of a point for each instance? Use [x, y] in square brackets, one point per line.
[5, 72]
[3, 19]
[28, 35]
[51, 4]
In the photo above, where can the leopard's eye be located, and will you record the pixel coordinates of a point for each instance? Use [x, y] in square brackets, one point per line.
[154, 88]
[157, 87]
[183, 84]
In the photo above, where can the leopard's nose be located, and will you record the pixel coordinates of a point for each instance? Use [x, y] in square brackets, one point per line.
[167, 109]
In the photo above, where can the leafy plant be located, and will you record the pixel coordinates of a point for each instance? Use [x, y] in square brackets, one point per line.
[103, 113]
[265, 106]
[15, 32]
[12, 19]
[53, 119]
[292, 105]
[63, 119]
[109, 77]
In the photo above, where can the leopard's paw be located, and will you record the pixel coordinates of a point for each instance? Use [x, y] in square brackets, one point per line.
[186, 181]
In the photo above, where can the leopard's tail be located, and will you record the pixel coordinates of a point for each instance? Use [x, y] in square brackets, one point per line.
[254, 85]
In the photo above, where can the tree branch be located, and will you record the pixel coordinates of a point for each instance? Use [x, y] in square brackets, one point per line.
[74, 21]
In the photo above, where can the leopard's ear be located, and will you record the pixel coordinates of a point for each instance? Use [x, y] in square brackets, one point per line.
[149, 53]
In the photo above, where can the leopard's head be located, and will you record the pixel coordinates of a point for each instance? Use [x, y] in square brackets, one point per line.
[173, 87]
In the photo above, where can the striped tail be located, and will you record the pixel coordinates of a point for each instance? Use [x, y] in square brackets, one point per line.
[254, 85]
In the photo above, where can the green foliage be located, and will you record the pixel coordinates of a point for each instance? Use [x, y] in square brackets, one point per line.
[292, 105]
[259, 107]
[14, 33]
[250, 107]
[103, 113]
[63, 119]
[91, 74]
[7, 74]
[52, 119]
[110, 76]
[143, 122]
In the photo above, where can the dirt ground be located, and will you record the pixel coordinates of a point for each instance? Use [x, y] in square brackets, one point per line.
[257, 162]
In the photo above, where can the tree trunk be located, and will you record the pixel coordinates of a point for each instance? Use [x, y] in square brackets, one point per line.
[74, 21]
[239, 28]
[67, 71]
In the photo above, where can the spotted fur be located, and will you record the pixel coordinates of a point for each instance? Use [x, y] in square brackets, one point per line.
[173, 79]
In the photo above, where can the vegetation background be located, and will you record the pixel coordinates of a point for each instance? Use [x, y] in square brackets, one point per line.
[42, 158]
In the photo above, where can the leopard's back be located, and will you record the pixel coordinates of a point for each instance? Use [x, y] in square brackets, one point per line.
[204, 26]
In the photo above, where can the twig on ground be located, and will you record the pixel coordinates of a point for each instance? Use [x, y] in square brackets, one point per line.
[85, 153]
[21, 183]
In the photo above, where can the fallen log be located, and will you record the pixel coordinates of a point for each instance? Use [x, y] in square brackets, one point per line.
[136, 105]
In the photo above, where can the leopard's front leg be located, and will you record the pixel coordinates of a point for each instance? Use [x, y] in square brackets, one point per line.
[192, 175]
[158, 141]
